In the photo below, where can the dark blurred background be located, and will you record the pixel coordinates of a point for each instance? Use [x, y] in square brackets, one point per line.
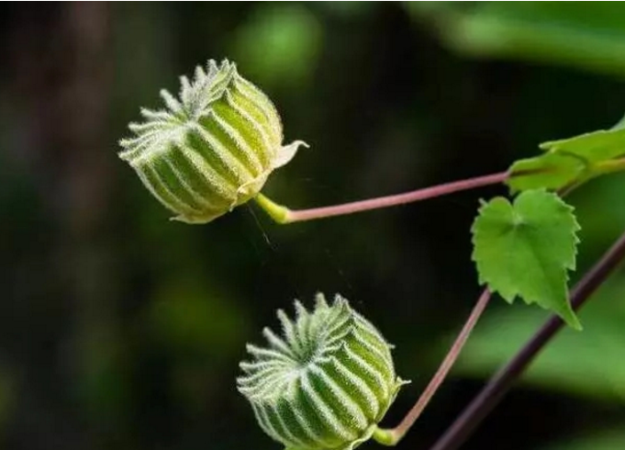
[120, 329]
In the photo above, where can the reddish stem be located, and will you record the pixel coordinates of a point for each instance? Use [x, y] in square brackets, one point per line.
[503, 380]
[393, 200]
[400, 430]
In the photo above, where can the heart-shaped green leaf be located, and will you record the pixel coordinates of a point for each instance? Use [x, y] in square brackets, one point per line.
[527, 249]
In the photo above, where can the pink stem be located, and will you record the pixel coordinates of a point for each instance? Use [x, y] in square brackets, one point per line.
[400, 430]
[504, 379]
[392, 200]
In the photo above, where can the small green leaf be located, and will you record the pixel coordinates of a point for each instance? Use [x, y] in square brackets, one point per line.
[595, 147]
[550, 171]
[527, 248]
[568, 161]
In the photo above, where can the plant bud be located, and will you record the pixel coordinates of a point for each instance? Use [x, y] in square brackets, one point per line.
[326, 384]
[212, 149]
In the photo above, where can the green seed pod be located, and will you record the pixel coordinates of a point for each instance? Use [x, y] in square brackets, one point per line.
[327, 384]
[211, 150]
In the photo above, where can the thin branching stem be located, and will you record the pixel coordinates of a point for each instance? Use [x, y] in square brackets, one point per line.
[503, 380]
[397, 433]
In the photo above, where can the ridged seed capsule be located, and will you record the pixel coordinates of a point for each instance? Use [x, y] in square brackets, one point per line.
[326, 384]
[212, 149]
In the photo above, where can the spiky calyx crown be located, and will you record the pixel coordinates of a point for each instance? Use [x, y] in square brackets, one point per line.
[212, 149]
[326, 384]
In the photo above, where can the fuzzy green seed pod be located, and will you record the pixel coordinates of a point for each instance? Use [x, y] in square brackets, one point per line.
[326, 384]
[212, 149]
